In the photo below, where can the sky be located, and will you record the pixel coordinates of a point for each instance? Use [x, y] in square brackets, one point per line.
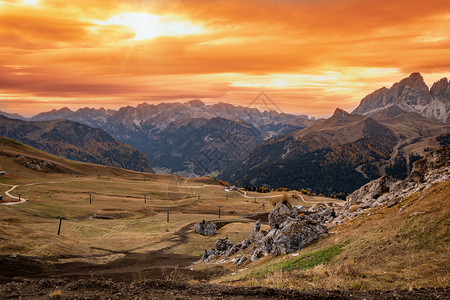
[308, 56]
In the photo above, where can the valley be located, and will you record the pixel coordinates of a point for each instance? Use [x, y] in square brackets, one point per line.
[116, 237]
[113, 217]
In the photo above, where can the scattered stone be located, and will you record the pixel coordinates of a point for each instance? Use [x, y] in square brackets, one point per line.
[241, 260]
[223, 244]
[246, 243]
[233, 250]
[418, 213]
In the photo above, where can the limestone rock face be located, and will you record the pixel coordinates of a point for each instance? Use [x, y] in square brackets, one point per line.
[283, 238]
[434, 160]
[256, 229]
[411, 94]
[205, 228]
[279, 214]
[373, 193]
[433, 168]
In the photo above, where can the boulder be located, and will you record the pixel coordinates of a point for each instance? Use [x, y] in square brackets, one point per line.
[241, 260]
[256, 229]
[280, 213]
[208, 255]
[246, 243]
[233, 250]
[257, 254]
[286, 240]
[206, 228]
[223, 244]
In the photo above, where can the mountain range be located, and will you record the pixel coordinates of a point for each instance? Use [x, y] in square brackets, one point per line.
[390, 129]
[385, 134]
[75, 141]
[190, 137]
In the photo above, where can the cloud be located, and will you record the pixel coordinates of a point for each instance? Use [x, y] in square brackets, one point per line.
[70, 50]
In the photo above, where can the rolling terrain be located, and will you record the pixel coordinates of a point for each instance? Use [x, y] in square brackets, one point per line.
[113, 217]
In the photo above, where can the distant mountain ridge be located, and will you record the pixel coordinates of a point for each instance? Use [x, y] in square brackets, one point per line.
[75, 141]
[322, 157]
[385, 134]
[192, 136]
[411, 94]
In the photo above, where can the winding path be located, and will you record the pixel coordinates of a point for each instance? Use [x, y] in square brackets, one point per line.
[22, 200]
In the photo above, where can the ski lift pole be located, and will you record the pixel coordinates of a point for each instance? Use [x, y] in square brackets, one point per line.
[60, 221]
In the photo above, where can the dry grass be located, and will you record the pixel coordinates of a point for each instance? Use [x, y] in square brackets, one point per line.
[30, 228]
[394, 248]
[55, 294]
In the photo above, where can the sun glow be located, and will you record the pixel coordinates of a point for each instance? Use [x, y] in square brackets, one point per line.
[148, 26]
[30, 2]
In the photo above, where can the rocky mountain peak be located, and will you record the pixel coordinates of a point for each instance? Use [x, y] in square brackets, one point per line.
[440, 87]
[411, 94]
[196, 103]
[65, 110]
[416, 77]
[341, 114]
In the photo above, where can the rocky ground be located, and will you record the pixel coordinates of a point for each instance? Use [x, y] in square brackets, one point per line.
[107, 289]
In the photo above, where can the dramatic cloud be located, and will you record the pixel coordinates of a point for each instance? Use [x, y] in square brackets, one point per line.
[309, 56]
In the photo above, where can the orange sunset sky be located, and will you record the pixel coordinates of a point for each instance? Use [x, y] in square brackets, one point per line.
[310, 56]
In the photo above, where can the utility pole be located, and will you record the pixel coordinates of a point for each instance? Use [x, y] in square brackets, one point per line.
[90, 198]
[60, 221]
[219, 206]
[145, 197]
[168, 212]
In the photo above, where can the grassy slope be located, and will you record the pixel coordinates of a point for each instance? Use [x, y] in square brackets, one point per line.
[30, 228]
[391, 249]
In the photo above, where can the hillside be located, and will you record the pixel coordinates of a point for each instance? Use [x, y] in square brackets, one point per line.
[322, 157]
[392, 235]
[29, 162]
[416, 136]
[75, 141]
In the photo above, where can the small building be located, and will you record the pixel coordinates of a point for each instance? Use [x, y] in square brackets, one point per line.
[231, 188]
[2, 173]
